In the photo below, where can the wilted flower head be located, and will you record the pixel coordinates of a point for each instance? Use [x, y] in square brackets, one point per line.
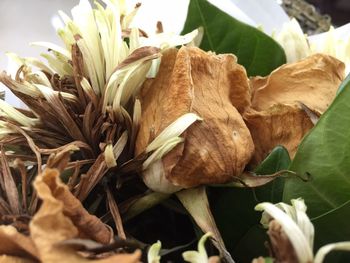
[85, 96]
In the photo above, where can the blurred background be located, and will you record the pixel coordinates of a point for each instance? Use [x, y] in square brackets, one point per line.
[339, 10]
[25, 21]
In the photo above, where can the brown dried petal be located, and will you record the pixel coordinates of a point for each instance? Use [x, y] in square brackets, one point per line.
[281, 247]
[279, 125]
[191, 80]
[14, 243]
[138, 54]
[313, 81]
[88, 225]
[214, 259]
[8, 184]
[51, 226]
[10, 259]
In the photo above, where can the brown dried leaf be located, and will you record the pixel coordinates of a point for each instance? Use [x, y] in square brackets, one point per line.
[313, 81]
[279, 125]
[191, 80]
[252, 180]
[87, 225]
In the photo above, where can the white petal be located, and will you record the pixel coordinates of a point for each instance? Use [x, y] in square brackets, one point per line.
[11, 113]
[109, 156]
[175, 129]
[153, 253]
[161, 151]
[323, 251]
[54, 47]
[199, 256]
[293, 41]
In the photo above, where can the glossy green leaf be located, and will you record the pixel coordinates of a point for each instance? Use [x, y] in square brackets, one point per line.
[277, 160]
[343, 84]
[325, 155]
[234, 213]
[256, 51]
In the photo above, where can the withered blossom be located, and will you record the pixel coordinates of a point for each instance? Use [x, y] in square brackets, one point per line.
[277, 110]
[81, 119]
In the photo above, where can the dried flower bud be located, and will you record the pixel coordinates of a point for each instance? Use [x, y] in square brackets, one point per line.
[215, 149]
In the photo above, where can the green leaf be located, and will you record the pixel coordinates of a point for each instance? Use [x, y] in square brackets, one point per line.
[343, 84]
[234, 213]
[256, 51]
[276, 161]
[325, 154]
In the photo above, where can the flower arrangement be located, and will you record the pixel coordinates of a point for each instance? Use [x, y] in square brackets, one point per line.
[128, 138]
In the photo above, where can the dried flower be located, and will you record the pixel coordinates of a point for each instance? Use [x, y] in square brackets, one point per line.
[82, 103]
[85, 96]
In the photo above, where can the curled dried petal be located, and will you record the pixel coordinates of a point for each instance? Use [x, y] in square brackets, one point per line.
[10, 259]
[87, 225]
[313, 81]
[279, 125]
[14, 243]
